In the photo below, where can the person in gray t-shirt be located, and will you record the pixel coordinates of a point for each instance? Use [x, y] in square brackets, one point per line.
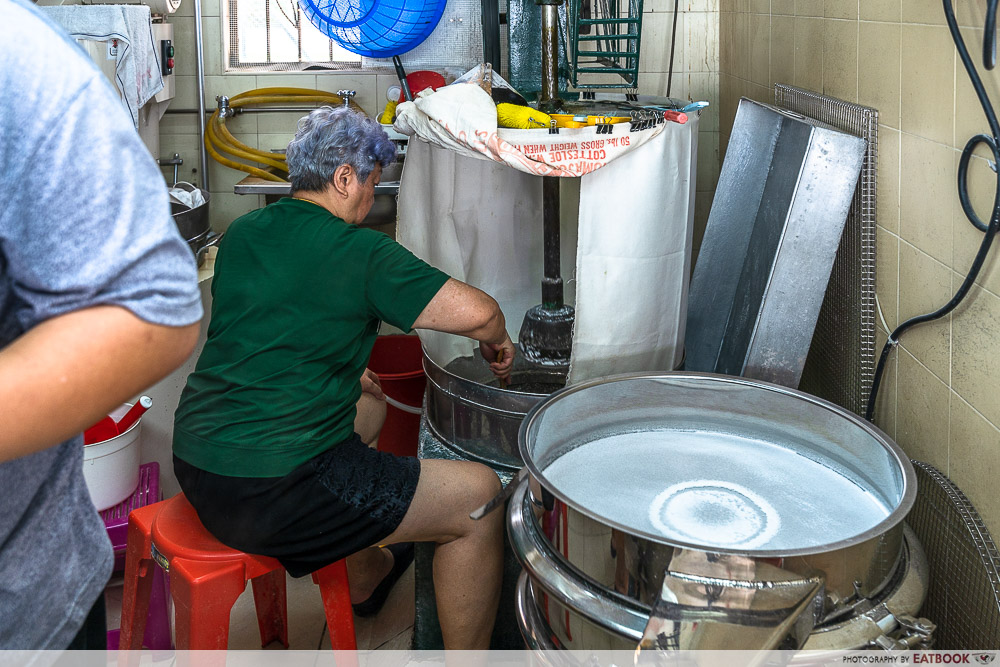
[98, 300]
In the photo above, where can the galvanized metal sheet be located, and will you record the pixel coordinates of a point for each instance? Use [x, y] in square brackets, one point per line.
[776, 221]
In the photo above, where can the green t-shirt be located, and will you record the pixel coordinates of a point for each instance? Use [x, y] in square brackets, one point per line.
[297, 298]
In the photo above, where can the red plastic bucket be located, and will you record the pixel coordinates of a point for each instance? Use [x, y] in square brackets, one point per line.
[397, 360]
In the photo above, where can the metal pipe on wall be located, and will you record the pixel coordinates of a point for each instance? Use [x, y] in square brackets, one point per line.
[200, 75]
[242, 110]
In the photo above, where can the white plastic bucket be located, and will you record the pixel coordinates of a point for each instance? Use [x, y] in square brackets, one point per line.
[111, 468]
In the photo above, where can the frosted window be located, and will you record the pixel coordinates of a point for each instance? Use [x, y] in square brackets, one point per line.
[267, 35]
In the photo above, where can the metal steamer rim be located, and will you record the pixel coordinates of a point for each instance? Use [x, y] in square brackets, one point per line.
[902, 508]
[626, 617]
[544, 370]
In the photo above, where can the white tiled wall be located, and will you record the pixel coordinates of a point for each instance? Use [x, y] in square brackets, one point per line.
[695, 77]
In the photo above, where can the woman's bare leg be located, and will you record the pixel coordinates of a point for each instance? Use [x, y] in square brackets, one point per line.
[468, 560]
[365, 570]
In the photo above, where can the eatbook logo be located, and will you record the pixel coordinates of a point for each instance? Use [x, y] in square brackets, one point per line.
[984, 658]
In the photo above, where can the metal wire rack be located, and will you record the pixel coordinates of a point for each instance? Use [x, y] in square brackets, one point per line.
[841, 362]
[964, 593]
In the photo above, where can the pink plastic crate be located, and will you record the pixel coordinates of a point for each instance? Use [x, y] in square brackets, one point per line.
[116, 518]
[157, 635]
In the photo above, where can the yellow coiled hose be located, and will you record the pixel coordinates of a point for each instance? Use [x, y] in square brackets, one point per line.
[220, 142]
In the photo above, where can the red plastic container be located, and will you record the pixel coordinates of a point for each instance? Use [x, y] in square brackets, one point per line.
[420, 80]
[397, 360]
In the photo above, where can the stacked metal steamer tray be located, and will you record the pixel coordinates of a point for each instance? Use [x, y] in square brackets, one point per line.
[687, 511]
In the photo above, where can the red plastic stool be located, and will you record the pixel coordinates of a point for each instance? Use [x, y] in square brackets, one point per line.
[206, 577]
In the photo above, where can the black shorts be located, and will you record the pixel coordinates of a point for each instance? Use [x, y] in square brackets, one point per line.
[343, 500]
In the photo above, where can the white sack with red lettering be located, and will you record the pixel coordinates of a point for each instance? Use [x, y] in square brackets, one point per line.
[462, 117]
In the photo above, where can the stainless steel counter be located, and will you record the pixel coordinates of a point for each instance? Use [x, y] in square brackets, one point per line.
[252, 185]
[382, 215]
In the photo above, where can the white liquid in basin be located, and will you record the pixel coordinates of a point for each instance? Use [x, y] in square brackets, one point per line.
[715, 490]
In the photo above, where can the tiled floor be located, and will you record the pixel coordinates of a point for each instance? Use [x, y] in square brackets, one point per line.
[391, 628]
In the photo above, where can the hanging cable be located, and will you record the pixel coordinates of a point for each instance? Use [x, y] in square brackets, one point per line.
[992, 140]
[673, 43]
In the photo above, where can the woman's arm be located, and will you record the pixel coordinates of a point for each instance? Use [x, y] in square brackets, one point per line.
[462, 309]
[66, 373]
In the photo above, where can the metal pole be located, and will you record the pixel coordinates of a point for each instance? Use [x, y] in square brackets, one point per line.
[200, 75]
[552, 284]
[549, 96]
[548, 100]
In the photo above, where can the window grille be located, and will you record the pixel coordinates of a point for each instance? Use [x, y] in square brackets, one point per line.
[274, 35]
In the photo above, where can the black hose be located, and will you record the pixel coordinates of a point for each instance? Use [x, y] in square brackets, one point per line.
[673, 43]
[491, 33]
[993, 140]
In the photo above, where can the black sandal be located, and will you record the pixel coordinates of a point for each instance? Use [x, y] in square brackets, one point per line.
[402, 556]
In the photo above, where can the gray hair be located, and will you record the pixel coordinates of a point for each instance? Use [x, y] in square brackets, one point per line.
[328, 138]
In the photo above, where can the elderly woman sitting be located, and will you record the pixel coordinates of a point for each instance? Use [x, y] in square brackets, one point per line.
[271, 435]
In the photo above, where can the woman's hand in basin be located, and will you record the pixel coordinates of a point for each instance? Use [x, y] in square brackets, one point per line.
[500, 357]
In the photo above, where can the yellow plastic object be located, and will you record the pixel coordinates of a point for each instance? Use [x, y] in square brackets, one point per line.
[569, 120]
[389, 113]
[222, 145]
[521, 118]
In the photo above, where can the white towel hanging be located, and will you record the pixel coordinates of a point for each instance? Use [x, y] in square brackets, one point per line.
[137, 72]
